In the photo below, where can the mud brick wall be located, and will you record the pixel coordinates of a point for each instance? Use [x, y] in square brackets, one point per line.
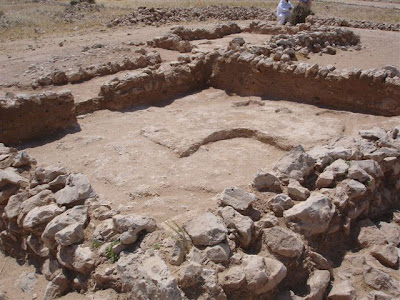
[28, 117]
[366, 91]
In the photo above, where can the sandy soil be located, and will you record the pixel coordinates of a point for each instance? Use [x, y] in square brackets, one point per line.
[133, 158]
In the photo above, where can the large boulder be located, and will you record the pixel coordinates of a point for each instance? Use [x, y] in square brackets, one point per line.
[267, 182]
[77, 214]
[40, 216]
[70, 235]
[131, 225]
[342, 291]
[311, 216]
[237, 198]
[242, 226]
[77, 257]
[43, 175]
[148, 277]
[283, 242]
[262, 274]
[77, 190]
[280, 203]
[206, 229]
[297, 164]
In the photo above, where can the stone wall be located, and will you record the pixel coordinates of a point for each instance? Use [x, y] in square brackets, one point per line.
[321, 223]
[154, 86]
[29, 117]
[368, 91]
[59, 77]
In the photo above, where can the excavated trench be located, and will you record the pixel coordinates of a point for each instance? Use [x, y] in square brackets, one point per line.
[232, 113]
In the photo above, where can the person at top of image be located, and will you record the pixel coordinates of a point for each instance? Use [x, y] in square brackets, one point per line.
[283, 11]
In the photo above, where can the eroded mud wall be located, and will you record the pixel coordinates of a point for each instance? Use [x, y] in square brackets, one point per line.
[367, 91]
[28, 117]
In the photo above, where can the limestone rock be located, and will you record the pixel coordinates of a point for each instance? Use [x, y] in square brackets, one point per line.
[342, 291]
[374, 134]
[233, 279]
[105, 231]
[391, 232]
[206, 230]
[237, 198]
[77, 258]
[41, 216]
[131, 225]
[387, 255]
[262, 274]
[10, 177]
[77, 190]
[371, 167]
[77, 214]
[296, 191]
[381, 281]
[318, 284]
[44, 175]
[243, 226]
[297, 164]
[70, 235]
[280, 203]
[13, 207]
[369, 234]
[283, 242]
[219, 253]
[147, 277]
[311, 216]
[178, 253]
[267, 182]
[57, 287]
[190, 274]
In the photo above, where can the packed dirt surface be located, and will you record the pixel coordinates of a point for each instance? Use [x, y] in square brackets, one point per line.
[143, 168]
[169, 161]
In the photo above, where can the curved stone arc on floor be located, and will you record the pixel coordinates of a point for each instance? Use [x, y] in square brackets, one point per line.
[233, 134]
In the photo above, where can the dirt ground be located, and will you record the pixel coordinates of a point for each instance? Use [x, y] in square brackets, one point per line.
[139, 160]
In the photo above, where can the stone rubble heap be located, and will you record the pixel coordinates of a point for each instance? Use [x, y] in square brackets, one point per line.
[353, 23]
[217, 32]
[170, 41]
[302, 38]
[332, 207]
[324, 41]
[160, 16]
[59, 77]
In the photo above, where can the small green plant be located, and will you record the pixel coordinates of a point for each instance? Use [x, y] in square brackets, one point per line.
[299, 14]
[368, 182]
[181, 235]
[74, 2]
[96, 244]
[111, 255]
[156, 246]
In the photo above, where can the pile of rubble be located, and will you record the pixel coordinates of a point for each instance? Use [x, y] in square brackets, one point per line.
[324, 41]
[285, 41]
[59, 77]
[352, 23]
[160, 16]
[171, 42]
[304, 232]
[217, 32]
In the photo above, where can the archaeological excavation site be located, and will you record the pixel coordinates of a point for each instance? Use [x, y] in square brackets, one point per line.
[200, 153]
